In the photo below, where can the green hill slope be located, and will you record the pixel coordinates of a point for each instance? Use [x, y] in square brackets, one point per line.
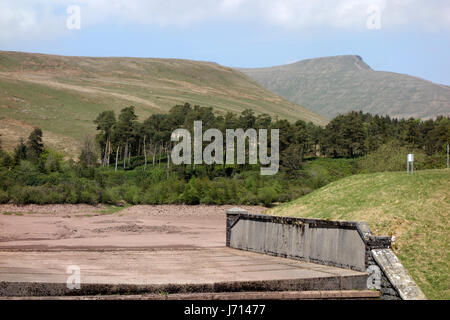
[62, 95]
[414, 209]
[334, 85]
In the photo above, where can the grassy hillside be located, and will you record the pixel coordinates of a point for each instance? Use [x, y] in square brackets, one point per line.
[62, 95]
[334, 85]
[415, 209]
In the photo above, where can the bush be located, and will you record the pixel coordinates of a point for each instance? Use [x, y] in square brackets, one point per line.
[285, 197]
[72, 197]
[18, 195]
[191, 195]
[156, 194]
[248, 198]
[158, 174]
[53, 197]
[110, 195]
[267, 195]
[390, 157]
[328, 169]
[51, 161]
[4, 198]
[88, 198]
[132, 195]
[72, 183]
[436, 161]
[28, 173]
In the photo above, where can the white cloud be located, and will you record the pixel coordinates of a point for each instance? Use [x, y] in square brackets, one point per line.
[31, 19]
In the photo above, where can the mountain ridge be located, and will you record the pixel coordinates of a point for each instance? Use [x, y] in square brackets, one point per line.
[338, 84]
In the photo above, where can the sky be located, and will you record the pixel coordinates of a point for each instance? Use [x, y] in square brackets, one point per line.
[404, 36]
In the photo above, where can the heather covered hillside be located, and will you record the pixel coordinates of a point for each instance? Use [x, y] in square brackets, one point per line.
[61, 95]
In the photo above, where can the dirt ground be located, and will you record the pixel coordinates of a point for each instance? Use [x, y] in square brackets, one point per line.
[152, 249]
[60, 227]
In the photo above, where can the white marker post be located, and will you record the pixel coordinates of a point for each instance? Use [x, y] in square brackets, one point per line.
[410, 159]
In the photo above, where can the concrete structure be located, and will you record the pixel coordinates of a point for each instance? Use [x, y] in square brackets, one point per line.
[151, 252]
[176, 271]
[344, 244]
[397, 275]
[249, 295]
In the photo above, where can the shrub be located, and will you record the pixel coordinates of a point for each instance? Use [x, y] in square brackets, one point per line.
[267, 195]
[18, 194]
[28, 173]
[390, 157]
[51, 161]
[132, 195]
[284, 197]
[158, 174]
[110, 195]
[53, 197]
[4, 198]
[88, 198]
[248, 198]
[72, 197]
[191, 195]
[317, 177]
[157, 193]
[329, 169]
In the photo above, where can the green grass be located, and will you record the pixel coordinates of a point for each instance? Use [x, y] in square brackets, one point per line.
[6, 213]
[415, 209]
[111, 209]
[331, 169]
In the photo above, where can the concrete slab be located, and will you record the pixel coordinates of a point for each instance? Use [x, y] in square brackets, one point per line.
[277, 295]
[201, 269]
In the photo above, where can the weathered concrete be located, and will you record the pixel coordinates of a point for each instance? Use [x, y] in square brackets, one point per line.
[320, 241]
[397, 275]
[30, 273]
[344, 244]
[268, 295]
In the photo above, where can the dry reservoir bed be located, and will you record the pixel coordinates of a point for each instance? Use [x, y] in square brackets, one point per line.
[143, 249]
[88, 227]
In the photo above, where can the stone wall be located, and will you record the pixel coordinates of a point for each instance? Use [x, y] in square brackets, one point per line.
[344, 244]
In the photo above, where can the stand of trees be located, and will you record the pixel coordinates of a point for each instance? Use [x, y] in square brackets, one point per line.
[128, 160]
[354, 134]
[357, 134]
[31, 150]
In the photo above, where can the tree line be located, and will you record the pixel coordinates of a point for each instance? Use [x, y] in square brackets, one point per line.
[128, 160]
[122, 138]
[350, 135]
[30, 150]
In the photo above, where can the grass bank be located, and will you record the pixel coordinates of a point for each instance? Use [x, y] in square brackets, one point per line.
[414, 209]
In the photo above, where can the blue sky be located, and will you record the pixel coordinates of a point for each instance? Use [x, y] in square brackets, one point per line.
[405, 36]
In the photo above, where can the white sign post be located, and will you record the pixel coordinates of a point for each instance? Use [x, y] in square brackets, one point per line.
[410, 159]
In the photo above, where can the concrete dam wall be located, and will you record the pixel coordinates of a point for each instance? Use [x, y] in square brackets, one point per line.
[344, 244]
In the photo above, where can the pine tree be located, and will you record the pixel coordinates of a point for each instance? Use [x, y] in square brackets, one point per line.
[20, 151]
[35, 146]
[105, 122]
